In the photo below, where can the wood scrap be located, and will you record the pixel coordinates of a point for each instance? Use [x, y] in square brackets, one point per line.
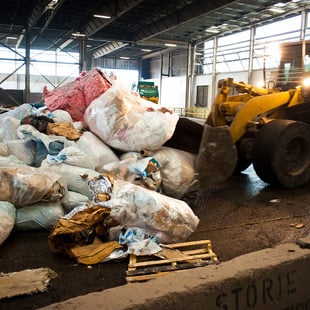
[171, 258]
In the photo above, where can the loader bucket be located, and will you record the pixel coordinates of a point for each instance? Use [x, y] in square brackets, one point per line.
[217, 157]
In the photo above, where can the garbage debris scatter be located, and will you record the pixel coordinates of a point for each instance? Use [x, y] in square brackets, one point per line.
[90, 166]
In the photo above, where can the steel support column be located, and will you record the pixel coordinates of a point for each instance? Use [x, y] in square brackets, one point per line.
[214, 83]
[27, 65]
[189, 76]
[304, 22]
[82, 54]
[161, 77]
[251, 54]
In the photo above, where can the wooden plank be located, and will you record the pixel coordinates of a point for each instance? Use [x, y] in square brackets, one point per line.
[166, 261]
[185, 244]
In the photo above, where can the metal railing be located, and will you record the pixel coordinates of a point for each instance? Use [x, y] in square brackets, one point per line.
[201, 113]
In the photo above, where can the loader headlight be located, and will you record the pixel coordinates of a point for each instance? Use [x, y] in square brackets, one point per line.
[306, 82]
[306, 89]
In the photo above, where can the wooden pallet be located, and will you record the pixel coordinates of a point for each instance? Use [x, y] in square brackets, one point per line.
[172, 258]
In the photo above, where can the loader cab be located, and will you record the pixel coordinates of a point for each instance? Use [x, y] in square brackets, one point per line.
[294, 64]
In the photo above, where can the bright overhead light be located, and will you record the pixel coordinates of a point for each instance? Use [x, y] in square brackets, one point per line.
[102, 16]
[170, 44]
[145, 50]
[123, 57]
[213, 29]
[11, 38]
[78, 34]
[52, 4]
[280, 4]
[276, 10]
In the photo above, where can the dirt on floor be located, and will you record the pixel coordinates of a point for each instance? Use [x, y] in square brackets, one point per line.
[239, 216]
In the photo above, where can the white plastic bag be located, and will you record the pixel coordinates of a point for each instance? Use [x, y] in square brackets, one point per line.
[39, 215]
[8, 128]
[7, 215]
[23, 150]
[74, 156]
[25, 185]
[139, 242]
[74, 199]
[129, 123]
[60, 116]
[10, 160]
[171, 220]
[90, 143]
[20, 111]
[177, 170]
[3, 149]
[144, 171]
[75, 177]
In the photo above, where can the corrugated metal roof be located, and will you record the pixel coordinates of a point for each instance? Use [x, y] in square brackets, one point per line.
[134, 25]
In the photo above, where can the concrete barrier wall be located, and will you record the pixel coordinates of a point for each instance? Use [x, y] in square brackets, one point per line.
[277, 279]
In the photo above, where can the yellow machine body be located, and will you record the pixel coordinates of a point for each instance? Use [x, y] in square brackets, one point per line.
[238, 113]
[240, 110]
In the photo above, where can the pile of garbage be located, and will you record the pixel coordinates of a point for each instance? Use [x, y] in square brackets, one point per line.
[89, 165]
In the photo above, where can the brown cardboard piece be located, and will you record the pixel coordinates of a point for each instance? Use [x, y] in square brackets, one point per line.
[27, 281]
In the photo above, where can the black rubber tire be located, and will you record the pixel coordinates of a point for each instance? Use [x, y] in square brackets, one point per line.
[243, 161]
[281, 153]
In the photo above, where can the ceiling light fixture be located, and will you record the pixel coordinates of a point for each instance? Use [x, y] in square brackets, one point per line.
[276, 10]
[123, 57]
[102, 16]
[170, 44]
[78, 34]
[213, 29]
[145, 50]
[52, 4]
[11, 38]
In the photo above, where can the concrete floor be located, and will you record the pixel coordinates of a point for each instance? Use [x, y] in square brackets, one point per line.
[240, 216]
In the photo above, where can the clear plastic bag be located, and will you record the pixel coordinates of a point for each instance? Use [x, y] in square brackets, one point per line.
[37, 216]
[177, 169]
[102, 153]
[30, 185]
[170, 219]
[121, 119]
[75, 177]
[7, 215]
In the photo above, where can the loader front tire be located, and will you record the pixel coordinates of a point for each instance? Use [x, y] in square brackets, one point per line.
[281, 153]
[244, 161]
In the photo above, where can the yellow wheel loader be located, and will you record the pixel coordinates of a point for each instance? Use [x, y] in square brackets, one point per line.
[266, 127]
[248, 125]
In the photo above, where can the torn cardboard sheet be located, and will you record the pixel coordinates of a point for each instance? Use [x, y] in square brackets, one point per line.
[27, 281]
[94, 253]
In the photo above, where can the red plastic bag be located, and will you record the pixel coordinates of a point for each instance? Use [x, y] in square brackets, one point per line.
[74, 97]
